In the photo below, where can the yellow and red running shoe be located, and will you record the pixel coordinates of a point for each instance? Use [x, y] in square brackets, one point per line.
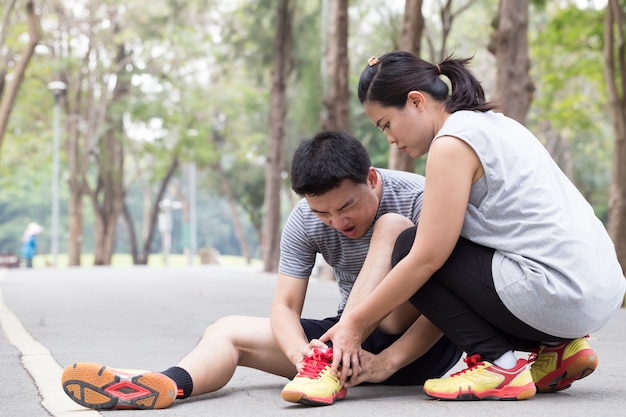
[315, 384]
[484, 381]
[102, 388]
[556, 367]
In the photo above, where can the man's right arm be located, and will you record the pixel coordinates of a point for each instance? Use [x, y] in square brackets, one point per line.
[285, 317]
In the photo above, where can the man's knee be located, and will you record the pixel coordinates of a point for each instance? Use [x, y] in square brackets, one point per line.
[392, 222]
[223, 327]
[389, 227]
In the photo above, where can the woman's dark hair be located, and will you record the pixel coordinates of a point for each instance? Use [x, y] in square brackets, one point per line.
[389, 78]
[321, 163]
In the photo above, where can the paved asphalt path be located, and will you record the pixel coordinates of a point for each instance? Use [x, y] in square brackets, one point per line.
[148, 318]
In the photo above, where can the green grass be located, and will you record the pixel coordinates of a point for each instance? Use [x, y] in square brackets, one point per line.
[120, 259]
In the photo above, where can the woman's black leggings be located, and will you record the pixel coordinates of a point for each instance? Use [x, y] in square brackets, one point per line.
[461, 300]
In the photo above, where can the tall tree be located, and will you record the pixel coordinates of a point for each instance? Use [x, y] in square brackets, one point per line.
[275, 157]
[216, 138]
[447, 14]
[615, 73]
[151, 214]
[337, 100]
[413, 30]
[85, 109]
[410, 40]
[509, 43]
[8, 92]
[567, 108]
[412, 27]
[96, 72]
[108, 195]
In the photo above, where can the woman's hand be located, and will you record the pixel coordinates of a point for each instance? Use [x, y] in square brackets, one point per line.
[373, 369]
[346, 340]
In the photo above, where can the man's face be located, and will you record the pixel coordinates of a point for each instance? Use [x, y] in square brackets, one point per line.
[349, 208]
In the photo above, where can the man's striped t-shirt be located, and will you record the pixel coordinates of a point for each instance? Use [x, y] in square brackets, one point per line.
[304, 235]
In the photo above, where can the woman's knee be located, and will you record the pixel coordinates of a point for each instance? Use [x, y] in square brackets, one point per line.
[403, 245]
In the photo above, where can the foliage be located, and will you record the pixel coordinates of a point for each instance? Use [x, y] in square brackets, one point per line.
[568, 72]
[200, 72]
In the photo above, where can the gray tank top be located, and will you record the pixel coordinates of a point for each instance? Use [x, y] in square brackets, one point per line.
[555, 265]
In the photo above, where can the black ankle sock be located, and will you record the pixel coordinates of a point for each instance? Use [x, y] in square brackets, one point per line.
[182, 379]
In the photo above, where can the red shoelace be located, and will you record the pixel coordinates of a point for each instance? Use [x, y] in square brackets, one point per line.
[471, 362]
[475, 360]
[315, 363]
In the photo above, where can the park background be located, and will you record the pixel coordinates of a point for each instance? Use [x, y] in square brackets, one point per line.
[162, 132]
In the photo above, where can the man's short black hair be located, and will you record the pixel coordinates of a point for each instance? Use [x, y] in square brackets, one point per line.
[323, 162]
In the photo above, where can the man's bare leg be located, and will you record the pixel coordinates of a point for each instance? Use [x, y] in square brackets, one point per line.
[230, 342]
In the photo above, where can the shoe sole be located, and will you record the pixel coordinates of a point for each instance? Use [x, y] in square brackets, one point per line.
[101, 388]
[579, 366]
[507, 393]
[302, 398]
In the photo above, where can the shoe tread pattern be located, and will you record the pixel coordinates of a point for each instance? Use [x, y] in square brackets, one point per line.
[97, 387]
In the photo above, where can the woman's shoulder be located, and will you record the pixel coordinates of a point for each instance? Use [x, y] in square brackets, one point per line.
[465, 123]
[477, 115]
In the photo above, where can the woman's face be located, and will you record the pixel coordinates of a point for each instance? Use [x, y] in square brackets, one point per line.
[408, 128]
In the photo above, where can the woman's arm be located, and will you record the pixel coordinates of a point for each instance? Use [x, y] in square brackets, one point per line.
[451, 168]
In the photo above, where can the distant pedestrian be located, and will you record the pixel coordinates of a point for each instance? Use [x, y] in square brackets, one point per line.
[29, 243]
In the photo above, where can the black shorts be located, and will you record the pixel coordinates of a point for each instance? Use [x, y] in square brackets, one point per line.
[433, 364]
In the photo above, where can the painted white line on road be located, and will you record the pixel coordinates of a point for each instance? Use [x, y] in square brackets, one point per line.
[44, 370]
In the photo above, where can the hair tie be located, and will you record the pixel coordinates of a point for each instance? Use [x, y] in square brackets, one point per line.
[372, 61]
[438, 68]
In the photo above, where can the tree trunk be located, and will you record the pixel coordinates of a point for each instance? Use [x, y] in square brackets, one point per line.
[149, 215]
[75, 227]
[186, 217]
[81, 104]
[274, 164]
[615, 74]
[230, 198]
[108, 198]
[411, 40]
[87, 108]
[109, 201]
[77, 153]
[412, 27]
[132, 236]
[17, 75]
[337, 100]
[150, 227]
[514, 87]
[4, 29]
